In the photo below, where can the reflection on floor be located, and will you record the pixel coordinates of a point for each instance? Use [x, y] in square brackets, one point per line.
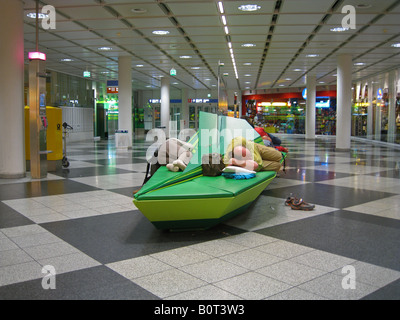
[82, 221]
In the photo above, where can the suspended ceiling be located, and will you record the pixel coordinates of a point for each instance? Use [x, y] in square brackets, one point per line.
[284, 33]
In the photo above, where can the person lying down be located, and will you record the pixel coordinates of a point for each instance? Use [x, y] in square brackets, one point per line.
[252, 156]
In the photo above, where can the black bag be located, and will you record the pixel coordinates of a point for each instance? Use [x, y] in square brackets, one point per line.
[212, 164]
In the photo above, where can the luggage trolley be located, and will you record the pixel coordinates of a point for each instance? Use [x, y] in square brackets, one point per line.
[66, 127]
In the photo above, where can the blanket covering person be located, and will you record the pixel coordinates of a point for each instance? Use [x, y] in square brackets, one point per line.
[252, 156]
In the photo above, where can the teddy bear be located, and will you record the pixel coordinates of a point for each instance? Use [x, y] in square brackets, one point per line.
[175, 154]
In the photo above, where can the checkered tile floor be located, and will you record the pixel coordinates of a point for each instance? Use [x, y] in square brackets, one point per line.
[82, 221]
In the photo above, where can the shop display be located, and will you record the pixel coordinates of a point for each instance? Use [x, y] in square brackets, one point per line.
[285, 113]
[359, 119]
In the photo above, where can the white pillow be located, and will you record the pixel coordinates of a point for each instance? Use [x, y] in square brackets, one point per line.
[234, 169]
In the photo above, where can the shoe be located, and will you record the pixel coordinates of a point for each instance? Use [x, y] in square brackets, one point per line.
[301, 205]
[291, 198]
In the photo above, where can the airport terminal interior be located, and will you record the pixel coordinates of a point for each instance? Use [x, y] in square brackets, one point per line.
[75, 233]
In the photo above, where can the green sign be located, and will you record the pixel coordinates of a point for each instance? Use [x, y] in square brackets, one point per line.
[172, 72]
[86, 74]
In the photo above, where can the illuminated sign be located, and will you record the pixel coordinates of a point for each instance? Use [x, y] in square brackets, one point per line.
[37, 56]
[172, 72]
[112, 86]
[304, 94]
[322, 102]
[379, 94]
[203, 100]
[170, 101]
[112, 89]
[86, 74]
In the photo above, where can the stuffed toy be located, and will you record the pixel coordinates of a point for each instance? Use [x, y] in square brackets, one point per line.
[175, 154]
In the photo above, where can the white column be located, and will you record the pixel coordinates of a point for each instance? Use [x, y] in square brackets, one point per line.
[125, 96]
[310, 107]
[378, 113]
[392, 108]
[370, 117]
[165, 100]
[185, 109]
[12, 137]
[344, 93]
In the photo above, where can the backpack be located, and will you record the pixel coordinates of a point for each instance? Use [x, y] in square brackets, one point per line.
[212, 164]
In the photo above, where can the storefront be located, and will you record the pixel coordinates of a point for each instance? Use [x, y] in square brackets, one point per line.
[285, 112]
[376, 108]
[197, 105]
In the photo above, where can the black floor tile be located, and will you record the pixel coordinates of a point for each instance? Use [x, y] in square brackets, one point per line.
[113, 161]
[89, 172]
[327, 195]
[119, 291]
[300, 163]
[10, 218]
[387, 174]
[125, 191]
[100, 283]
[95, 283]
[389, 292]
[362, 237]
[41, 188]
[120, 236]
[311, 175]
[33, 290]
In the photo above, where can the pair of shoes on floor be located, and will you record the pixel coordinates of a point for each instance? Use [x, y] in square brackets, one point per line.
[298, 204]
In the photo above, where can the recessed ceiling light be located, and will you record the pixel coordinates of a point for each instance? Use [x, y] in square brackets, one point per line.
[247, 64]
[185, 57]
[321, 82]
[313, 55]
[160, 32]
[105, 48]
[248, 45]
[223, 20]
[281, 85]
[297, 70]
[139, 65]
[339, 29]
[32, 15]
[396, 45]
[363, 6]
[207, 79]
[105, 72]
[195, 68]
[138, 10]
[249, 7]
[247, 75]
[175, 83]
[288, 79]
[66, 60]
[359, 64]
[247, 82]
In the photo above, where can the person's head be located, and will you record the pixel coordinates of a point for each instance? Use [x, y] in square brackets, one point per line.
[242, 153]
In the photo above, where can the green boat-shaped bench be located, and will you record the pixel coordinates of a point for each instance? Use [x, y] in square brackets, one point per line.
[189, 200]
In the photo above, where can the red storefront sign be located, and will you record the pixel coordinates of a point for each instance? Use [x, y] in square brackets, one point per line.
[112, 89]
